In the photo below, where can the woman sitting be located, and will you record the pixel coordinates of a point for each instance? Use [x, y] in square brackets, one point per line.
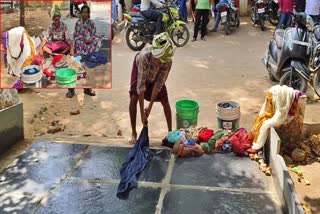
[57, 39]
[85, 40]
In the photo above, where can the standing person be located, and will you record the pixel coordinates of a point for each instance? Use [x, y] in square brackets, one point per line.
[183, 8]
[85, 42]
[285, 8]
[149, 73]
[153, 15]
[313, 9]
[202, 15]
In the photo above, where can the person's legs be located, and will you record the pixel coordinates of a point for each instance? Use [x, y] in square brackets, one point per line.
[133, 117]
[154, 16]
[288, 20]
[197, 24]
[123, 5]
[205, 17]
[70, 93]
[282, 20]
[216, 24]
[89, 92]
[167, 113]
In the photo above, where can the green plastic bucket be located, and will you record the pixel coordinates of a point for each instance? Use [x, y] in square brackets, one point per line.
[186, 113]
[66, 77]
[228, 118]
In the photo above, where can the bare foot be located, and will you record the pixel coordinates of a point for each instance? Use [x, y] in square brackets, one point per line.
[133, 139]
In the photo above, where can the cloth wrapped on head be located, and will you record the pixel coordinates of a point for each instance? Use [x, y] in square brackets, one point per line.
[55, 11]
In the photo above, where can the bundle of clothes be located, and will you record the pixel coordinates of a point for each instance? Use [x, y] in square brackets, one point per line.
[196, 141]
[279, 108]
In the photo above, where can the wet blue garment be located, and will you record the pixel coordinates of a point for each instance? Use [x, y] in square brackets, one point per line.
[136, 161]
[95, 59]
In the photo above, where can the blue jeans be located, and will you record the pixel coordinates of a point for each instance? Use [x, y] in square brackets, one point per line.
[216, 24]
[183, 8]
[285, 19]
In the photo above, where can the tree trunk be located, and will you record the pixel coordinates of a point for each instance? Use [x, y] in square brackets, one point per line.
[22, 13]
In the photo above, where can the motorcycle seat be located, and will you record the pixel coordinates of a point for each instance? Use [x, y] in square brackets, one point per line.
[278, 36]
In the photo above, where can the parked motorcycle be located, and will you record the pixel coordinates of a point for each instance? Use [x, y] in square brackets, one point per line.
[258, 13]
[230, 16]
[273, 15]
[290, 50]
[141, 30]
[301, 72]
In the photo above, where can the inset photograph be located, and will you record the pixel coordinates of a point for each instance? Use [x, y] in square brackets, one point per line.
[55, 44]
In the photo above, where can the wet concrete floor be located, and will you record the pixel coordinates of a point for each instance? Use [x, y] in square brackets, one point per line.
[75, 178]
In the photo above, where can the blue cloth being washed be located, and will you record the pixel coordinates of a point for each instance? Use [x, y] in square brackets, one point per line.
[95, 59]
[136, 161]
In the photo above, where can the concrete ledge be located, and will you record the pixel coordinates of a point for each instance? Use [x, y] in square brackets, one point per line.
[11, 126]
[282, 179]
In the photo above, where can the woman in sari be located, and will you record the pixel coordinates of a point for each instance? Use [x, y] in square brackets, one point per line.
[85, 40]
[57, 39]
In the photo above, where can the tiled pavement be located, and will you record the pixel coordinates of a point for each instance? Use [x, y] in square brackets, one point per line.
[74, 178]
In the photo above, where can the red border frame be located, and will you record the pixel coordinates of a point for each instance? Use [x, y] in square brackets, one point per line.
[82, 87]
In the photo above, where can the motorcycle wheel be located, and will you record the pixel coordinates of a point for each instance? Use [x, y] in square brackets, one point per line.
[298, 82]
[178, 33]
[273, 19]
[261, 22]
[237, 20]
[316, 82]
[129, 39]
[271, 77]
[253, 15]
[227, 28]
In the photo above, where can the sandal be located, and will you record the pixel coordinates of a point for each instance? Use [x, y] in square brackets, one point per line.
[89, 92]
[70, 93]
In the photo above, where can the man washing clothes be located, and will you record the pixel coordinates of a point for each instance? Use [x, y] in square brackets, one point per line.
[150, 71]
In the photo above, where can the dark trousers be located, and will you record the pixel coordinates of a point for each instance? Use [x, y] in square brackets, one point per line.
[156, 16]
[202, 15]
[315, 18]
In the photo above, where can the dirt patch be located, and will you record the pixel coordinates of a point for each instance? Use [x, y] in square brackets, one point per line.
[37, 20]
[303, 160]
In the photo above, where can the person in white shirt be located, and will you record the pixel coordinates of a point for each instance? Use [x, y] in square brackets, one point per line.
[153, 15]
[313, 9]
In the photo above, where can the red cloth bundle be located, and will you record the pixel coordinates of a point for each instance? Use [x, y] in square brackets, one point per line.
[205, 135]
[241, 141]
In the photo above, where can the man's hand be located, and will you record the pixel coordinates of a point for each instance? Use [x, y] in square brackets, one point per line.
[144, 119]
[147, 111]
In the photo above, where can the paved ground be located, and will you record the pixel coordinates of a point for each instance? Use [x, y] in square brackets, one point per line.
[74, 178]
[99, 76]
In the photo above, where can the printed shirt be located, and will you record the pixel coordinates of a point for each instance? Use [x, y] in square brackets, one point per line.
[286, 6]
[57, 34]
[203, 4]
[85, 29]
[313, 7]
[151, 71]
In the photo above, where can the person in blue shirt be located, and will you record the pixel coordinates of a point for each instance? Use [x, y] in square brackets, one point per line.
[218, 18]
